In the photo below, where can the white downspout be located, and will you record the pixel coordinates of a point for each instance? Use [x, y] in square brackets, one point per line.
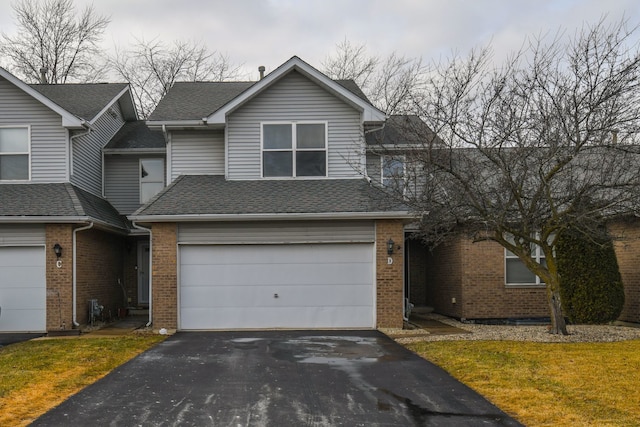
[139, 227]
[74, 280]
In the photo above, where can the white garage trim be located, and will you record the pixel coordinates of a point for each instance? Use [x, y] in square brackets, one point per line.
[23, 294]
[277, 233]
[263, 286]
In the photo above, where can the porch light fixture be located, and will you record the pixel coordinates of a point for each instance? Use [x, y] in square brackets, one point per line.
[58, 250]
[390, 244]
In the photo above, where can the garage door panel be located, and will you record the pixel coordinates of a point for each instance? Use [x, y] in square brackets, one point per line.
[275, 274]
[21, 276]
[257, 296]
[22, 289]
[22, 320]
[22, 298]
[318, 286]
[259, 254]
[261, 318]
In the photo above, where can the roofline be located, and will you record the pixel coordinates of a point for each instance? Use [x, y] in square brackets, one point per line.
[158, 124]
[110, 104]
[134, 150]
[68, 120]
[61, 220]
[370, 113]
[271, 216]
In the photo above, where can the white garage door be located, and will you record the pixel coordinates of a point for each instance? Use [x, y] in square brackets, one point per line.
[22, 289]
[277, 286]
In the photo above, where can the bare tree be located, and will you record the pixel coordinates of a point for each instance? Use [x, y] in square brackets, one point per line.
[547, 142]
[152, 67]
[388, 82]
[55, 42]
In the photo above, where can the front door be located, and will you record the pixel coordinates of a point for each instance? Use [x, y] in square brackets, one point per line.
[143, 273]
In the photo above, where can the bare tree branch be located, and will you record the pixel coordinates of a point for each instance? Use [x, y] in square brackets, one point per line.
[546, 142]
[51, 37]
[152, 67]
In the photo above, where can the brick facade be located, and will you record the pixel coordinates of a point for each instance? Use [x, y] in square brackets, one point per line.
[389, 277]
[101, 256]
[59, 280]
[473, 275]
[164, 286]
[416, 271]
[98, 266]
[627, 247]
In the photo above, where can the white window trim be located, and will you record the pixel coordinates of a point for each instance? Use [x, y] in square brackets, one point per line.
[140, 176]
[28, 152]
[294, 148]
[538, 256]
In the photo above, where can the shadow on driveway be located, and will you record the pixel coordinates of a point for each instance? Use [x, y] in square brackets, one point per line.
[278, 378]
[12, 338]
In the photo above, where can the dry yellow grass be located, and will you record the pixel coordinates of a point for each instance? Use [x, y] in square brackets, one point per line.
[37, 375]
[548, 384]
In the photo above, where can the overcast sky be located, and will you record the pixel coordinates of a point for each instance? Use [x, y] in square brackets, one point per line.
[268, 32]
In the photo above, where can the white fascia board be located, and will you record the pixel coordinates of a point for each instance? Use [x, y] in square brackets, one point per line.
[134, 151]
[43, 219]
[272, 216]
[68, 120]
[60, 220]
[175, 124]
[109, 105]
[370, 113]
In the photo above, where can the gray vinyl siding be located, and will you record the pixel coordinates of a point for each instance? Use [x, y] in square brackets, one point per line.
[197, 153]
[22, 234]
[277, 233]
[87, 151]
[122, 182]
[48, 137]
[374, 167]
[294, 98]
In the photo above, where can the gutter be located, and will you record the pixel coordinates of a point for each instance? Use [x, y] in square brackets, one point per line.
[272, 216]
[75, 279]
[148, 230]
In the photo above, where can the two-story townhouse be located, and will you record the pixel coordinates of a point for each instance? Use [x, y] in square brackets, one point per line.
[268, 220]
[61, 242]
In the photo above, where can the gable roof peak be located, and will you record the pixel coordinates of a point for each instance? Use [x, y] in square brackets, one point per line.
[370, 112]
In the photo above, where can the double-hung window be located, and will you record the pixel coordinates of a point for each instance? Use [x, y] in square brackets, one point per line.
[14, 153]
[393, 171]
[517, 274]
[151, 178]
[294, 149]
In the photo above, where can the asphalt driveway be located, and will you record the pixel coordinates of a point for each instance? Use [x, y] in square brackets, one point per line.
[277, 378]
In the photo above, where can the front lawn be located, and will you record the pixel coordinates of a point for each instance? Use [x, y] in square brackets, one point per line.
[548, 384]
[37, 375]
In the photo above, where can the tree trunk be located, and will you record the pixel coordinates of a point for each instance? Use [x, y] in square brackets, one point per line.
[558, 325]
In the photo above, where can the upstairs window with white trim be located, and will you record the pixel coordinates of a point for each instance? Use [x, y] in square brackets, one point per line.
[294, 149]
[151, 178]
[393, 171]
[14, 153]
[517, 274]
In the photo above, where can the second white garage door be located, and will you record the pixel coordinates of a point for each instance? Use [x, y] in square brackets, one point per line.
[277, 286]
[23, 295]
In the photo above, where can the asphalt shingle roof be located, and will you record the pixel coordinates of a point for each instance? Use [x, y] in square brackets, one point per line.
[214, 195]
[56, 200]
[84, 100]
[402, 129]
[135, 135]
[196, 100]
